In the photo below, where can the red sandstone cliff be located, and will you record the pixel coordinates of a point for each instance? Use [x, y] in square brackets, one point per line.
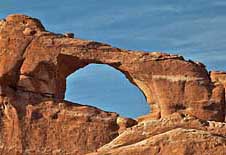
[188, 104]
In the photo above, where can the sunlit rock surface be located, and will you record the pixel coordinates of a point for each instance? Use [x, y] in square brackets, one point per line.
[188, 104]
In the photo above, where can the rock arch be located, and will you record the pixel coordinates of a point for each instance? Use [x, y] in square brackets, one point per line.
[75, 65]
[102, 78]
[42, 60]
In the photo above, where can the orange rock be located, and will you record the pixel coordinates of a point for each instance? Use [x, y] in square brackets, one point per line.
[219, 77]
[41, 62]
[34, 64]
[177, 134]
[125, 123]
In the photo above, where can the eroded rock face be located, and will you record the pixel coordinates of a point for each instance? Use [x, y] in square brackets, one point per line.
[39, 61]
[218, 77]
[52, 127]
[176, 134]
[34, 65]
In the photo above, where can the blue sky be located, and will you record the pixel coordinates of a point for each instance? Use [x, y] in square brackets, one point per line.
[194, 29]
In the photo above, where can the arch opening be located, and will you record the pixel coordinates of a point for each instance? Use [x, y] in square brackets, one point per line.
[107, 88]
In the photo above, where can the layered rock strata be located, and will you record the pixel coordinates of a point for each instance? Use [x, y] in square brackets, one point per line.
[187, 103]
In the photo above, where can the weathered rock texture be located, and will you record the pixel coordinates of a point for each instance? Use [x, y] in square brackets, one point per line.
[177, 134]
[34, 65]
[219, 77]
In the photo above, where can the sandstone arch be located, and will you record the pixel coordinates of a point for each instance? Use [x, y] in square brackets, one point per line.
[106, 88]
[42, 60]
[34, 64]
[75, 65]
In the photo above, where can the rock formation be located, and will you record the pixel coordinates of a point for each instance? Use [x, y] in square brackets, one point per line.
[177, 134]
[187, 103]
[219, 77]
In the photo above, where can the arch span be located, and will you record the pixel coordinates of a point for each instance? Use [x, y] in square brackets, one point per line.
[72, 64]
[104, 87]
[170, 83]
[42, 61]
